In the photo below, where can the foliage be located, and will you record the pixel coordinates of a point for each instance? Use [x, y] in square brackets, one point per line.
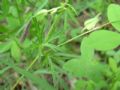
[44, 46]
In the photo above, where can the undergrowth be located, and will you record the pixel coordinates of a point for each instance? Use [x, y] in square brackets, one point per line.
[59, 45]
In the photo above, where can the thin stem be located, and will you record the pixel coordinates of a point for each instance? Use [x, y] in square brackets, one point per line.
[24, 26]
[83, 34]
[18, 80]
[25, 33]
[51, 29]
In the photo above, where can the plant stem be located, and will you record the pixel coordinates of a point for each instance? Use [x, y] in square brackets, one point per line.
[52, 28]
[18, 80]
[83, 34]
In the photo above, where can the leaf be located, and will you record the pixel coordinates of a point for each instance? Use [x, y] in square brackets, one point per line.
[117, 74]
[113, 14]
[72, 9]
[98, 5]
[84, 85]
[82, 68]
[116, 85]
[26, 43]
[86, 50]
[77, 67]
[41, 4]
[113, 65]
[13, 10]
[13, 23]
[15, 51]
[5, 6]
[90, 24]
[104, 40]
[3, 29]
[5, 47]
[80, 85]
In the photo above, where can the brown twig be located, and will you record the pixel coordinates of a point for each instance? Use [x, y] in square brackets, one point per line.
[26, 31]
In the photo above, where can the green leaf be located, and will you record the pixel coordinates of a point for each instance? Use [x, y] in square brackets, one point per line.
[72, 9]
[113, 14]
[116, 85]
[80, 85]
[84, 85]
[5, 47]
[113, 65]
[15, 51]
[13, 23]
[13, 10]
[86, 50]
[26, 43]
[41, 4]
[104, 40]
[5, 6]
[3, 29]
[82, 68]
[77, 67]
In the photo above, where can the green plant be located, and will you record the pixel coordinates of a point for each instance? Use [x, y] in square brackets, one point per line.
[38, 46]
[98, 74]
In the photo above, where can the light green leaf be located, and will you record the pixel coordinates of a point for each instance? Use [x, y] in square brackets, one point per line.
[5, 47]
[86, 50]
[72, 9]
[13, 10]
[82, 68]
[15, 51]
[113, 65]
[13, 23]
[27, 43]
[77, 67]
[116, 85]
[41, 4]
[104, 40]
[113, 14]
[82, 84]
[90, 24]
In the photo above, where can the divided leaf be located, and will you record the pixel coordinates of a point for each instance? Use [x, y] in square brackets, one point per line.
[113, 14]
